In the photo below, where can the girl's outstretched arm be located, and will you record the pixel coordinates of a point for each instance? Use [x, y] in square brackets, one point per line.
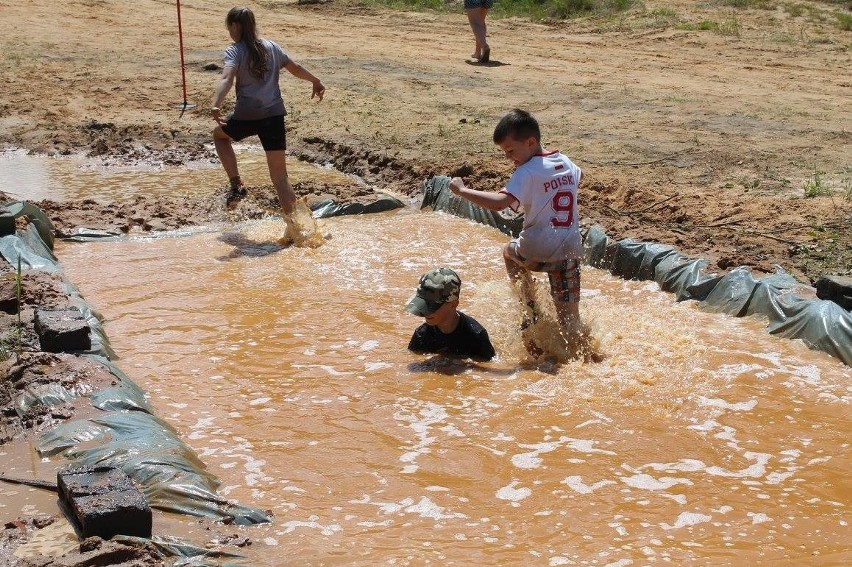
[298, 71]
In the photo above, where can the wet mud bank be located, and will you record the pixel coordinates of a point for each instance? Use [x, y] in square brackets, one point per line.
[59, 391]
[806, 242]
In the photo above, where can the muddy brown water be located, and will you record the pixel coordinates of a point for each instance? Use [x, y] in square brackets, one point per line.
[699, 439]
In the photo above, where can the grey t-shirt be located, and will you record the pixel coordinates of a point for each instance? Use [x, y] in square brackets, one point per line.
[257, 98]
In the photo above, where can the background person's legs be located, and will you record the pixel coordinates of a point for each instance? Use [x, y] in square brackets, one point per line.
[476, 17]
[277, 162]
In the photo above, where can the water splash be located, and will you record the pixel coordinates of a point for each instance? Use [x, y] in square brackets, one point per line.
[544, 338]
[302, 229]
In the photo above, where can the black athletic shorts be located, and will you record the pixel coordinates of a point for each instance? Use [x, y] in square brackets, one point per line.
[270, 131]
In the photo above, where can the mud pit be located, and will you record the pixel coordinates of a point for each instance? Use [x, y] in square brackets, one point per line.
[707, 140]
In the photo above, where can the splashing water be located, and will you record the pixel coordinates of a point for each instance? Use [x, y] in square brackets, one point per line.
[302, 229]
[544, 338]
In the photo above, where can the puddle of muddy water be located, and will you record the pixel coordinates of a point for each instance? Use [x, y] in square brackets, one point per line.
[37, 178]
[699, 439]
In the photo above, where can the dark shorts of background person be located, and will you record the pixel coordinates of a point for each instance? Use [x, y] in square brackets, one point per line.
[473, 4]
[564, 275]
[270, 130]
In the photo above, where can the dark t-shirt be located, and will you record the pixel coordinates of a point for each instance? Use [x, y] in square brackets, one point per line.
[469, 339]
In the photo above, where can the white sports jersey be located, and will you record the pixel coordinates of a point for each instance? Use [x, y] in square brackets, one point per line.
[546, 190]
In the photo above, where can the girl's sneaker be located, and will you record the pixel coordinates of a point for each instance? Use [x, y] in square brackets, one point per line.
[234, 196]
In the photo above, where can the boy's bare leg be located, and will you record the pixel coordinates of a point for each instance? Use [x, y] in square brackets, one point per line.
[568, 313]
[277, 163]
[523, 284]
[520, 277]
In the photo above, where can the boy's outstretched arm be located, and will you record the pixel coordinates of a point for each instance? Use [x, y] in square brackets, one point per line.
[487, 199]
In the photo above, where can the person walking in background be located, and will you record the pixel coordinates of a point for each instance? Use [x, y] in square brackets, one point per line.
[446, 329]
[254, 64]
[543, 187]
[476, 11]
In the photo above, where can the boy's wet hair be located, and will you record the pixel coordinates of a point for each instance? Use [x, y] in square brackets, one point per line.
[519, 125]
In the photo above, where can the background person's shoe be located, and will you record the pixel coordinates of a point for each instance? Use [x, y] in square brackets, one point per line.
[234, 196]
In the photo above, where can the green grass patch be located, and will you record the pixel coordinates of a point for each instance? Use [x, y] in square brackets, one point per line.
[730, 27]
[816, 187]
[753, 4]
[532, 9]
[844, 21]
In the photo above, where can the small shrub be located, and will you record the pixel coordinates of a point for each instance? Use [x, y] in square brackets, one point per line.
[844, 22]
[703, 25]
[816, 187]
[731, 27]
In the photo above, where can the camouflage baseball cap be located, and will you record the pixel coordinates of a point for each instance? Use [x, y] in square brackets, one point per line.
[436, 288]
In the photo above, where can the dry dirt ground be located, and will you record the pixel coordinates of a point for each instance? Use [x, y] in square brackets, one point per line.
[724, 132]
[704, 139]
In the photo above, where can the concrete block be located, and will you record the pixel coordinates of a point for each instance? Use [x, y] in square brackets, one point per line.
[104, 502]
[62, 330]
[9, 293]
[837, 289]
[7, 222]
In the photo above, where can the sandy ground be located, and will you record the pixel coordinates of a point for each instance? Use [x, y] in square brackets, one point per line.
[706, 140]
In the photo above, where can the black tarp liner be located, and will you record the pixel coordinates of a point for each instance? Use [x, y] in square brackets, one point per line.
[437, 195]
[820, 324]
[330, 208]
[131, 438]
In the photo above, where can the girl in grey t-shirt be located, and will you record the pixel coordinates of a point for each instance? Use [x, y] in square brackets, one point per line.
[254, 64]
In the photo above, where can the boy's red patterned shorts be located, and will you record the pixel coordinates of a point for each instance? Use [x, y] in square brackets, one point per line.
[564, 275]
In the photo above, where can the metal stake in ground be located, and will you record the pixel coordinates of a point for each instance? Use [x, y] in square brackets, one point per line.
[185, 104]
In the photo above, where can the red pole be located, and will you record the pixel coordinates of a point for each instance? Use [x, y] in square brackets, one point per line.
[182, 64]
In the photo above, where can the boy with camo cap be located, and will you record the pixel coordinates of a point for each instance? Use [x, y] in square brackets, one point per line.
[446, 330]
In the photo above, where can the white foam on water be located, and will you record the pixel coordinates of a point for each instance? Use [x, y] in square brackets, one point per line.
[647, 482]
[513, 494]
[577, 485]
[585, 446]
[683, 465]
[722, 404]
[425, 508]
[758, 517]
[756, 470]
[313, 524]
[686, 519]
[532, 460]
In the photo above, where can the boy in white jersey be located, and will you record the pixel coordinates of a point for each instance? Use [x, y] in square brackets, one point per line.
[544, 187]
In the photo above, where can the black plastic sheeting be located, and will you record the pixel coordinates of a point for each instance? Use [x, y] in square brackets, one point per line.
[821, 324]
[131, 437]
[330, 208]
[437, 195]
